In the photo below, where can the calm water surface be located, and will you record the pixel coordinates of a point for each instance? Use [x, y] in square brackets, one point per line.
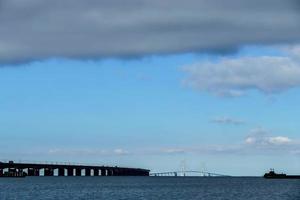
[156, 188]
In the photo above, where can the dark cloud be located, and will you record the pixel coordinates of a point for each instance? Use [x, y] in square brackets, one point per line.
[40, 29]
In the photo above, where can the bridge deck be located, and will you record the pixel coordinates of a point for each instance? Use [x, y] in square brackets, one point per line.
[33, 169]
[184, 173]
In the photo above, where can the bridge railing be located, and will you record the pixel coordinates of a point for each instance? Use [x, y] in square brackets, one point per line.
[49, 162]
[55, 163]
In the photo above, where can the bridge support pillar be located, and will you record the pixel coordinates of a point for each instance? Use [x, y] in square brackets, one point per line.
[78, 172]
[103, 172]
[20, 172]
[87, 172]
[61, 172]
[109, 172]
[33, 172]
[70, 172]
[129, 173]
[116, 172]
[48, 172]
[36, 172]
[12, 171]
[30, 172]
[96, 172]
[119, 172]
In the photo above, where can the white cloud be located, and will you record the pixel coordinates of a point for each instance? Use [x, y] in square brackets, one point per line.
[258, 141]
[88, 152]
[174, 151]
[227, 120]
[250, 140]
[236, 76]
[257, 136]
[263, 138]
[121, 152]
[279, 140]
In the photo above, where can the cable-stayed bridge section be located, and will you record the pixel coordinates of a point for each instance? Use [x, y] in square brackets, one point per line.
[20, 169]
[189, 173]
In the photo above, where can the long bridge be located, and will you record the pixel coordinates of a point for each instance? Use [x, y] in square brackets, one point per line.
[188, 173]
[18, 169]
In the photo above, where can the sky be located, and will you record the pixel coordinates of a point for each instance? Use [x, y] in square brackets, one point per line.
[152, 84]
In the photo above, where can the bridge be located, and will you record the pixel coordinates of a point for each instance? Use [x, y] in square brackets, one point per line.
[189, 173]
[19, 169]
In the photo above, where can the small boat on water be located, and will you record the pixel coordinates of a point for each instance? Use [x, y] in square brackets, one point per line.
[272, 175]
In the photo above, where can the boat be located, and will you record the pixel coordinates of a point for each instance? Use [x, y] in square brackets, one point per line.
[272, 175]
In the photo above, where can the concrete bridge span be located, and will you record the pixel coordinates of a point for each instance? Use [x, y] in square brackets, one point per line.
[56, 169]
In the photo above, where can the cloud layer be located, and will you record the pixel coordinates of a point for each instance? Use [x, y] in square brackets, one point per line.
[259, 141]
[262, 138]
[41, 29]
[227, 120]
[235, 76]
[88, 152]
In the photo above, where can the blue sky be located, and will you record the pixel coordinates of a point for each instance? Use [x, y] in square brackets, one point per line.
[139, 112]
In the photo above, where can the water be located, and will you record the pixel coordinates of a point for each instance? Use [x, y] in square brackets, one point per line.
[156, 188]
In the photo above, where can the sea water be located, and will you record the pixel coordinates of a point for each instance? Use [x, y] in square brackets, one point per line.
[156, 188]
